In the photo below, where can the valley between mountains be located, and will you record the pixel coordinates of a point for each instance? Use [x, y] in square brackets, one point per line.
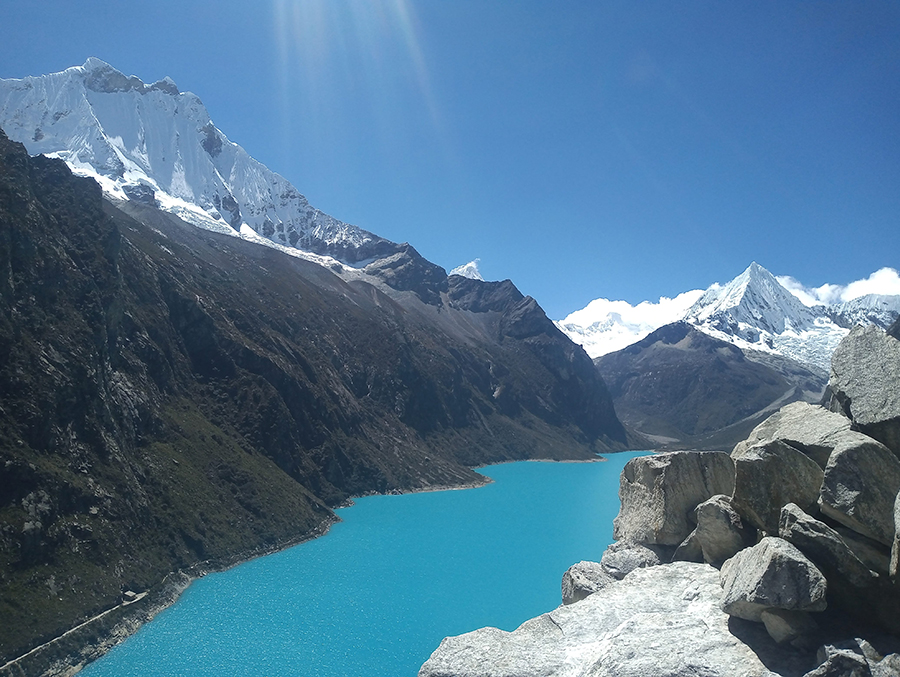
[197, 366]
[173, 396]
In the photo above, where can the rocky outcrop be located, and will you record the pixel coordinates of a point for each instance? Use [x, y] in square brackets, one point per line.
[823, 545]
[806, 427]
[860, 485]
[720, 532]
[658, 494]
[842, 663]
[664, 620]
[771, 575]
[583, 579]
[787, 626]
[812, 574]
[767, 476]
[865, 370]
[855, 658]
[623, 557]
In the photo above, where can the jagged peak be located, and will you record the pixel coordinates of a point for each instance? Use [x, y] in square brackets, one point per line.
[92, 63]
[99, 76]
[195, 172]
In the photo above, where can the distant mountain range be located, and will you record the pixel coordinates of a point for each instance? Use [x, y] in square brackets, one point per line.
[754, 311]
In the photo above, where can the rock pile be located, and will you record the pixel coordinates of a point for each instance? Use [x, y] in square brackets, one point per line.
[802, 520]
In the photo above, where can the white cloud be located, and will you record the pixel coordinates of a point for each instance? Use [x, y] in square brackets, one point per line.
[604, 326]
[646, 313]
[884, 281]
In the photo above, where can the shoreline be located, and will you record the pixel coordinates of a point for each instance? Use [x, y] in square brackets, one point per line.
[113, 626]
[128, 617]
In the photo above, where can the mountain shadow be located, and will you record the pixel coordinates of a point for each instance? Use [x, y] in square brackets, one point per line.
[686, 389]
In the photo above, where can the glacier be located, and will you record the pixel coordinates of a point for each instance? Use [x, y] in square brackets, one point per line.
[156, 144]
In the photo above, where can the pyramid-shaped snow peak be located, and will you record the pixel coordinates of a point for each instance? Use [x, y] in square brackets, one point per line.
[752, 301]
[155, 144]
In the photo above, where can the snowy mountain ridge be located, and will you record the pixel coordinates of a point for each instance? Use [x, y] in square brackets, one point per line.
[469, 270]
[156, 144]
[754, 311]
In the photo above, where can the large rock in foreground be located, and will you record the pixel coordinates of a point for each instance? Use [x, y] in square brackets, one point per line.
[771, 574]
[823, 545]
[861, 483]
[663, 620]
[865, 371]
[658, 494]
[583, 579]
[769, 475]
[806, 427]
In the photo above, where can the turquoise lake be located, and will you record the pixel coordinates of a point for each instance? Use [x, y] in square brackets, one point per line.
[377, 594]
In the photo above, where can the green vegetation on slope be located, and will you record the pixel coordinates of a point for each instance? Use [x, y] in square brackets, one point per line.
[170, 396]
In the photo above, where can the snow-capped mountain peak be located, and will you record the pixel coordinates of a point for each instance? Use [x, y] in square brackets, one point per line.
[157, 144]
[469, 270]
[754, 311]
[752, 301]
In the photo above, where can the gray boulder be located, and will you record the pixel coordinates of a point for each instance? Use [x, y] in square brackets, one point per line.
[658, 494]
[861, 483]
[855, 657]
[865, 383]
[720, 533]
[771, 574]
[804, 426]
[842, 663]
[889, 666]
[662, 620]
[871, 553]
[786, 627]
[769, 475]
[689, 550]
[823, 545]
[623, 557]
[583, 579]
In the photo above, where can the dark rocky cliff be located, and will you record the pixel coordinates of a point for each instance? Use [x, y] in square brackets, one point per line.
[170, 396]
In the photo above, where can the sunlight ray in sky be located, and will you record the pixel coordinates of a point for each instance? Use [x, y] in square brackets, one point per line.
[353, 53]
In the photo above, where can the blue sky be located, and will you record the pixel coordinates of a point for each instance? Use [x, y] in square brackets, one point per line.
[582, 149]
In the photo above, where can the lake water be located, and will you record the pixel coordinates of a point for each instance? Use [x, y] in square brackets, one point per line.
[377, 594]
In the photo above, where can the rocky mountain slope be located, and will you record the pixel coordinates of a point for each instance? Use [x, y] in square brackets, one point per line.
[688, 389]
[754, 311]
[172, 396]
[780, 558]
